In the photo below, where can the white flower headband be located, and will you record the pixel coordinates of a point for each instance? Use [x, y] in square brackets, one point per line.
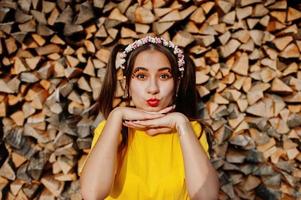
[155, 40]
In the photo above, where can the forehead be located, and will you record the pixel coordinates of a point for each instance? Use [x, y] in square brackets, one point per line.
[151, 59]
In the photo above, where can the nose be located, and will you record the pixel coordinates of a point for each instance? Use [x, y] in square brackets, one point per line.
[152, 87]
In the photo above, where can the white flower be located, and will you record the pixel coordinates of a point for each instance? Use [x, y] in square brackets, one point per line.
[122, 60]
[123, 55]
[139, 42]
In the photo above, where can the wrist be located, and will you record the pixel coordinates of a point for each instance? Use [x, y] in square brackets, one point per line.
[181, 124]
[117, 113]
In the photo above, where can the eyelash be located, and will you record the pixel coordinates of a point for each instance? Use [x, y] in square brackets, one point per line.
[168, 76]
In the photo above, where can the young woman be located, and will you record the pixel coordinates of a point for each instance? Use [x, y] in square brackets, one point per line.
[153, 148]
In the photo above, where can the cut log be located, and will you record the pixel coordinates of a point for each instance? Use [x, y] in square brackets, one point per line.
[125, 33]
[29, 26]
[229, 48]
[292, 68]
[70, 29]
[89, 69]
[7, 171]
[39, 16]
[279, 86]
[144, 16]
[53, 17]
[65, 16]
[256, 36]
[267, 74]
[28, 109]
[46, 71]
[159, 12]
[54, 186]
[293, 14]
[182, 39]
[117, 15]
[32, 62]
[225, 37]
[5, 88]
[72, 62]
[291, 51]
[229, 18]
[224, 5]
[265, 21]
[22, 17]
[260, 10]
[57, 40]
[11, 45]
[161, 27]
[48, 49]
[85, 13]
[103, 55]
[186, 12]
[242, 13]
[282, 42]
[198, 16]
[172, 16]
[241, 66]
[242, 35]
[257, 109]
[251, 183]
[18, 118]
[48, 6]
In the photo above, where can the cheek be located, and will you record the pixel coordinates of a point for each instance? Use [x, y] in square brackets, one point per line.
[168, 89]
[135, 88]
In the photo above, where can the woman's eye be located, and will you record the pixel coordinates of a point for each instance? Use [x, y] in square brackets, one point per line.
[140, 76]
[165, 76]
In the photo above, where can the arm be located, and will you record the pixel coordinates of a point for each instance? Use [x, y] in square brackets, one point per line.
[201, 177]
[98, 173]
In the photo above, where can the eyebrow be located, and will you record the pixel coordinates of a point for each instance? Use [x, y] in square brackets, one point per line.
[144, 69]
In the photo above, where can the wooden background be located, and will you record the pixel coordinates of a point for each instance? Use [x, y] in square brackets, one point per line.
[53, 57]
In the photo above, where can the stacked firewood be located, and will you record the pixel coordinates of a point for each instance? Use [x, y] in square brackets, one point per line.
[53, 57]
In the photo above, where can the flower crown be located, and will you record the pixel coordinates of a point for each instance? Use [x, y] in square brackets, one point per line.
[155, 40]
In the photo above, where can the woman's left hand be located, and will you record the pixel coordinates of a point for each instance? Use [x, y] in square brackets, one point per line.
[165, 124]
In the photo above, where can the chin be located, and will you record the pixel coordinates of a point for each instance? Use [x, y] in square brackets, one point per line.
[154, 108]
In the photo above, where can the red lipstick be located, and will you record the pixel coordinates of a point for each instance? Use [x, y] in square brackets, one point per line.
[153, 102]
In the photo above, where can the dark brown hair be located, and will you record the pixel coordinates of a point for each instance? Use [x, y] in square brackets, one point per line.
[186, 99]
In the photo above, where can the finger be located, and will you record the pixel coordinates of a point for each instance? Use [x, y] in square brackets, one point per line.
[148, 123]
[155, 131]
[127, 125]
[152, 115]
[134, 125]
[167, 109]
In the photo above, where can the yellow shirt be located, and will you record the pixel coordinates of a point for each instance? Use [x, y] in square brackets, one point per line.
[153, 166]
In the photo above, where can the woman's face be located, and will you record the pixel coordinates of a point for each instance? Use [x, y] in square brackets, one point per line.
[152, 85]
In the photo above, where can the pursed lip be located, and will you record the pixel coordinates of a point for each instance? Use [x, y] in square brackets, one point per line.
[153, 102]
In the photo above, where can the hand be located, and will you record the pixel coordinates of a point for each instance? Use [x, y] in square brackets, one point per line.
[164, 124]
[133, 114]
